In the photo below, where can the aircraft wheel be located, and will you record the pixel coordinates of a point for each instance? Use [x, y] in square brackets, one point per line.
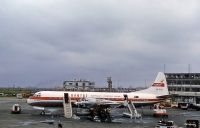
[42, 113]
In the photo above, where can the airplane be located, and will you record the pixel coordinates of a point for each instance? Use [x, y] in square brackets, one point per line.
[156, 93]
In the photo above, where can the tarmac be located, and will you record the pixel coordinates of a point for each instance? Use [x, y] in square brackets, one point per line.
[30, 118]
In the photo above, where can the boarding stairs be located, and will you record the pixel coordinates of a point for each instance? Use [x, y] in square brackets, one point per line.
[132, 111]
[67, 106]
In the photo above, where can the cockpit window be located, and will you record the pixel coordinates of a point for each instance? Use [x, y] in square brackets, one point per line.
[37, 95]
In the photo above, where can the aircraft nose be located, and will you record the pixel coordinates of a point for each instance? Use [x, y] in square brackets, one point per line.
[28, 101]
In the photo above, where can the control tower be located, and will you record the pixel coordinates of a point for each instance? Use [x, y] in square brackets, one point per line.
[109, 81]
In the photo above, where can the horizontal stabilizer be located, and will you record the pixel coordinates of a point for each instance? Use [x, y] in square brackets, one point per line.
[164, 96]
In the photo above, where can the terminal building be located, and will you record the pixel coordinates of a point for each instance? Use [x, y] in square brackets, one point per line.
[184, 87]
[78, 85]
[85, 85]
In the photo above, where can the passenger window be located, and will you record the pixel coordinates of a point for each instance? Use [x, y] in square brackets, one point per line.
[136, 96]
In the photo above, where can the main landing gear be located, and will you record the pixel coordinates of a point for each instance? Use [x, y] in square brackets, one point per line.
[42, 113]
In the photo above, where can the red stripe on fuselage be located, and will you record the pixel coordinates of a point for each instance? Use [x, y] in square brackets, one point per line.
[158, 85]
[78, 98]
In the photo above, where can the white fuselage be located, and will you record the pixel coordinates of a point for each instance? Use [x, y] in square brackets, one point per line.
[55, 98]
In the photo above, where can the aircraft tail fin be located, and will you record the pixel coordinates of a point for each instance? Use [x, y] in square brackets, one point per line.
[159, 87]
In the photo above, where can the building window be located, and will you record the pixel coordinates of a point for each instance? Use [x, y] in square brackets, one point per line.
[178, 89]
[187, 89]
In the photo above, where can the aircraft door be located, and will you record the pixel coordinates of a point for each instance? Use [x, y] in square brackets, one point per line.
[125, 97]
[66, 97]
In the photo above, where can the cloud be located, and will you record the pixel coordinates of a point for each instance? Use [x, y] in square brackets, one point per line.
[43, 43]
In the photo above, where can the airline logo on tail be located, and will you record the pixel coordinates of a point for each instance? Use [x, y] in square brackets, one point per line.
[161, 84]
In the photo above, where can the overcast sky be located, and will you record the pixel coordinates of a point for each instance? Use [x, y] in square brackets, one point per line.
[44, 42]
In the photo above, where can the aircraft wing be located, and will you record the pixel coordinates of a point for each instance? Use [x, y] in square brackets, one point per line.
[108, 102]
[51, 110]
[164, 96]
[38, 108]
[91, 101]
